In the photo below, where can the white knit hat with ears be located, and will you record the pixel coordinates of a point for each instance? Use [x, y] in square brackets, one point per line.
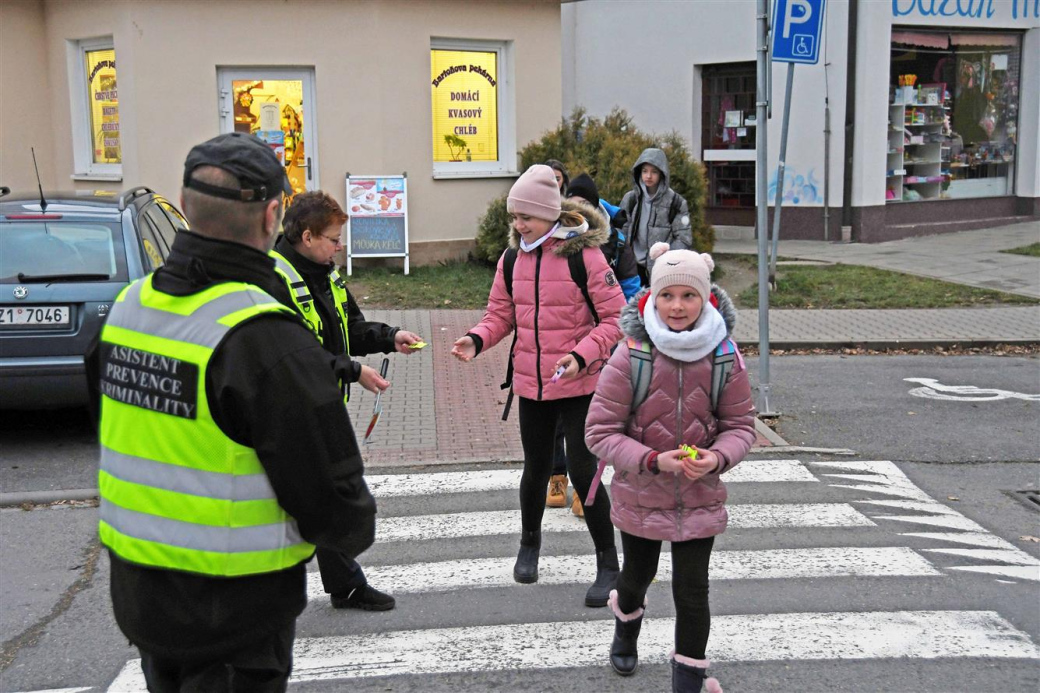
[682, 268]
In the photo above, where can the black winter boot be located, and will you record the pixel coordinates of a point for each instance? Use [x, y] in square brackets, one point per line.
[526, 568]
[607, 572]
[623, 653]
[689, 675]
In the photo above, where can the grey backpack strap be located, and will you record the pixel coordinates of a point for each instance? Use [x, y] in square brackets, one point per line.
[642, 363]
[721, 364]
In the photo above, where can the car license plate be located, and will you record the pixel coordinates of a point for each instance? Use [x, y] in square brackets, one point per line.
[47, 316]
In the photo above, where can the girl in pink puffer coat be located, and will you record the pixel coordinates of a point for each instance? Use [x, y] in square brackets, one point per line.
[659, 492]
[560, 350]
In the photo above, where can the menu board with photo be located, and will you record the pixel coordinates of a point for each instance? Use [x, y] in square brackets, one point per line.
[377, 226]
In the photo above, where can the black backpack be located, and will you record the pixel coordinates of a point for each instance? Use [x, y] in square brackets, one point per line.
[579, 275]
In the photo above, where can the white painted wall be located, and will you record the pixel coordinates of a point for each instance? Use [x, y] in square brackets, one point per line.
[644, 55]
[1028, 164]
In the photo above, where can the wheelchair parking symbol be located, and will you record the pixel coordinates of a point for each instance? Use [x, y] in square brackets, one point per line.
[803, 45]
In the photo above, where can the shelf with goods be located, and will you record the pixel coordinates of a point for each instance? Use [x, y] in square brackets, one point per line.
[894, 167]
[918, 155]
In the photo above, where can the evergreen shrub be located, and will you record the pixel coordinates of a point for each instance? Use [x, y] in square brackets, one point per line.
[606, 150]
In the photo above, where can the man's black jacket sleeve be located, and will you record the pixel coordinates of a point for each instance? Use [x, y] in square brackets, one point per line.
[367, 337]
[271, 387]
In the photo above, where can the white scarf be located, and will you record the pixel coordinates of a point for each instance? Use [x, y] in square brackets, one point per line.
[528, 247]
[691, 345]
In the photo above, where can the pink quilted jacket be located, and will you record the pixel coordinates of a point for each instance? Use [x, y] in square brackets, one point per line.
[677, 410]
[550, 314]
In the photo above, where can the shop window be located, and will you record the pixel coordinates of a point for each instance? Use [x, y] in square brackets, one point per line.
[731, 184]
[727, 126]
[94, 92]
[728, 106]
[953, 115]
[471, 89]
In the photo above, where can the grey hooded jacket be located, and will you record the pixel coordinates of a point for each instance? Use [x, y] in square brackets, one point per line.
[648, 216]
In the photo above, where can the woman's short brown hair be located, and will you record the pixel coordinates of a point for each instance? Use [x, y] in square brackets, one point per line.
[315, 210]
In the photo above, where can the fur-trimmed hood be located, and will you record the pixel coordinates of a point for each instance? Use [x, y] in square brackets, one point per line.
[632, 314]
[590, 226]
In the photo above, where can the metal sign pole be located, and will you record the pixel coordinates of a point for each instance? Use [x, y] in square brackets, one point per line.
[762, 202]
[780, 175]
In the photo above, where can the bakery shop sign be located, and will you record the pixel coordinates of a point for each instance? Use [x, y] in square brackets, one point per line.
[464, 85]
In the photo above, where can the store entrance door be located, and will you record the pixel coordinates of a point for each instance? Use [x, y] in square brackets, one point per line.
[276, 105]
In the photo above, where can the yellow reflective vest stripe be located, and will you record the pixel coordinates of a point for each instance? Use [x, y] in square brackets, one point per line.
[176, 492]
[301, 296]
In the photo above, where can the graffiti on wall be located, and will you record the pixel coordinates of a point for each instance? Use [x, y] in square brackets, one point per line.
[798, 189]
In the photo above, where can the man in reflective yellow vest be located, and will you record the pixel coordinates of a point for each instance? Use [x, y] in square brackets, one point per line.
[226, 452]
[305, 259]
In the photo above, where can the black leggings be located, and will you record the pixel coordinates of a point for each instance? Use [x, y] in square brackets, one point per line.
[689, 586]
[537, 427]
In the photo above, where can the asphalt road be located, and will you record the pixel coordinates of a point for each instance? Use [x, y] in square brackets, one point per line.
[857, 402]
[864, 403]
[57, 629]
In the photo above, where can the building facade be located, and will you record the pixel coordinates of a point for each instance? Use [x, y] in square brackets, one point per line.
[113, 95]
[933, 107]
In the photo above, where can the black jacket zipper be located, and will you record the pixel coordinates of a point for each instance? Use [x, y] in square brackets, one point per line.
[537, 305]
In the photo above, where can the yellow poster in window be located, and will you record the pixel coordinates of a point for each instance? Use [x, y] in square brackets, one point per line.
[103, 97]
[465, 105]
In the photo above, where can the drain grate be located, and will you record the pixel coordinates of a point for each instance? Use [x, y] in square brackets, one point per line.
[1029, 498]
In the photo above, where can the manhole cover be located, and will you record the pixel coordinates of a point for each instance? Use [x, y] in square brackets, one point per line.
[1028, 498]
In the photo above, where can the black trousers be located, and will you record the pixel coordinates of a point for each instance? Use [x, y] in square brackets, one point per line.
[264, 667]
[689, 586]
[559, 452]
[537, 434]
[340, 573]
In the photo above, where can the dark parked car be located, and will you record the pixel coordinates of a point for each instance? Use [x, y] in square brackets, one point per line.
[62, 264]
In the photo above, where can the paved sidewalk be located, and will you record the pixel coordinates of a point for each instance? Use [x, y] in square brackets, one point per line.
[466, 424]
[968, 257]
[888, 329]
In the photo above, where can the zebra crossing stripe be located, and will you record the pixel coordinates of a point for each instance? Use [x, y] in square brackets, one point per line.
[446, 576]
[886, 478]
[438, 483]
[1021, 572]
[735, 638]
[973, 538]
[1013, 557]
[491, 522]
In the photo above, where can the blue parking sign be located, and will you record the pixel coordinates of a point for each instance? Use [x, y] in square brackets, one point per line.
[797, 27]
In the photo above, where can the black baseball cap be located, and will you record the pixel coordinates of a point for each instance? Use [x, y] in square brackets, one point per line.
[245, 157]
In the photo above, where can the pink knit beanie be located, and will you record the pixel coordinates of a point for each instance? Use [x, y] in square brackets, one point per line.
[535, 194]
[682, 268]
